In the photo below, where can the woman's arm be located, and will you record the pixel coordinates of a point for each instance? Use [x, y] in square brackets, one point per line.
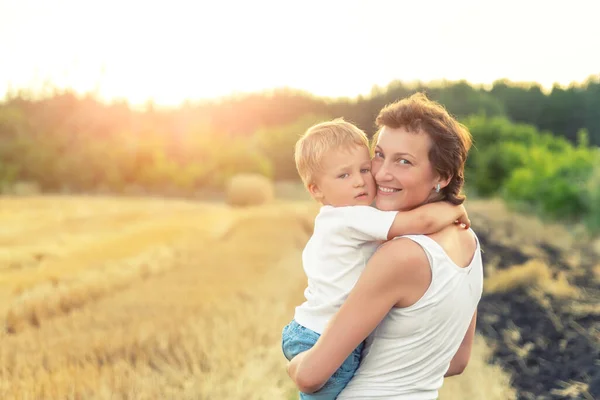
[463, 354]
[380, 287]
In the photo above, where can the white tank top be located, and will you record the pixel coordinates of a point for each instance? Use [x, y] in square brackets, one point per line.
[409, 352]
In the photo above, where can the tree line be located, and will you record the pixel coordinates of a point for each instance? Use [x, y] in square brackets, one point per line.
[535, 149]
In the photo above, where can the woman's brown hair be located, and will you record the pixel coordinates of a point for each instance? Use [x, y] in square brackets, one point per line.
[451, 140]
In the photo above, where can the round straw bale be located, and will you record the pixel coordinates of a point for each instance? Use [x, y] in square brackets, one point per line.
[249, 190]
[23, 188]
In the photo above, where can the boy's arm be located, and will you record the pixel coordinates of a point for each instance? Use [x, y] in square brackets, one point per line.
[427, 219]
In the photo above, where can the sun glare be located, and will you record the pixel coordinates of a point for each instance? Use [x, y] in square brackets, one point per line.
[170, 52]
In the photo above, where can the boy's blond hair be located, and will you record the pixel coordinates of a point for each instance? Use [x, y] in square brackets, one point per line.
[319, 139]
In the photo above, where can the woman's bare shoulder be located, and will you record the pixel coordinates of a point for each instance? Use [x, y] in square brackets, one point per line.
[402, 255]
[459, 244]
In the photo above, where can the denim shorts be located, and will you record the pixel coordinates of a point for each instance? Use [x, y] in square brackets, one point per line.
[297, 339]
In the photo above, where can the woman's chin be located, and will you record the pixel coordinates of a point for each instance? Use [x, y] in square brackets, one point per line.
[384, 203]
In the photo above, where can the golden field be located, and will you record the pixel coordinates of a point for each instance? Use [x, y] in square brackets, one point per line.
[132, 298]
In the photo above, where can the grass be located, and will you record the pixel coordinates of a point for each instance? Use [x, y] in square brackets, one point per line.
[532, 274]
[205, 323]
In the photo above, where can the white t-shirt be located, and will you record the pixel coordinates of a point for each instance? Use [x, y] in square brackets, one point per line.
[343, 240]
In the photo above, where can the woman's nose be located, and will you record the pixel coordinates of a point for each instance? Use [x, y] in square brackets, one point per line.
[382, 174]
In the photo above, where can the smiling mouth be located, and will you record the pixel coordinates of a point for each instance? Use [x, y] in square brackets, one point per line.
[388, 190]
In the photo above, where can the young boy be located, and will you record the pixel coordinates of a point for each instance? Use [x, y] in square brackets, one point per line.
[334, 163]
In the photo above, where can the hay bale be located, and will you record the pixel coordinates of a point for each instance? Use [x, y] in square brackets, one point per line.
[24, 188]
[249, 190]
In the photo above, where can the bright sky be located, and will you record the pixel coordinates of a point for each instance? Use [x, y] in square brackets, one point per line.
[173, 50]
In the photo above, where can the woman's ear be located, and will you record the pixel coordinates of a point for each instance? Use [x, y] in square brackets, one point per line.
[443, 181]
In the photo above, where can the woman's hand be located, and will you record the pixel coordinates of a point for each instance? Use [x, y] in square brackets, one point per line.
[292, 366]
[292, 369]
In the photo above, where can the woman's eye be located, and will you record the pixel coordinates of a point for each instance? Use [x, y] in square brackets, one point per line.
[343, 176]
[379, 154]
[404, 161]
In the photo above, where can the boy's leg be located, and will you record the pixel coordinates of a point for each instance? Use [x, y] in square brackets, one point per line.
[296, 339]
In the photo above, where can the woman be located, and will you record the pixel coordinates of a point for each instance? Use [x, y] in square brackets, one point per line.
[416, 301]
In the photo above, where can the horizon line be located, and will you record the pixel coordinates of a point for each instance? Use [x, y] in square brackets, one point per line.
[48, 90]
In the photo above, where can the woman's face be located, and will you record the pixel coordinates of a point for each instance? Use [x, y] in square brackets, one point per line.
[404, 176]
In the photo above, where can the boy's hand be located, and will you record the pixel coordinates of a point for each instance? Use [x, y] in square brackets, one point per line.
[428, 219]
[463, 220]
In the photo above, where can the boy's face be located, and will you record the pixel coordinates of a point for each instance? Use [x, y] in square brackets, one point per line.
[345, 178]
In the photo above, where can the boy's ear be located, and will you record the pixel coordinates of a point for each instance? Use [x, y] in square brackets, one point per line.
[314, 191]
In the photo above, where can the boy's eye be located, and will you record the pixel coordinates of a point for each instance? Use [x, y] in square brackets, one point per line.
[343, 176]
[365, 170]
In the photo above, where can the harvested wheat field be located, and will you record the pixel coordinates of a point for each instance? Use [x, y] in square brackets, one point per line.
[106, 298]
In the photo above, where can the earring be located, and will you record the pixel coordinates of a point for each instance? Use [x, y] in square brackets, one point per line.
[437, 188]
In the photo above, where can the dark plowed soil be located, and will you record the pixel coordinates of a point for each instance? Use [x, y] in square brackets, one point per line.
[550, 346]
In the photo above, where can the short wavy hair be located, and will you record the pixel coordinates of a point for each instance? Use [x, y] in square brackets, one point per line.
[451, 141]
[321, 138]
